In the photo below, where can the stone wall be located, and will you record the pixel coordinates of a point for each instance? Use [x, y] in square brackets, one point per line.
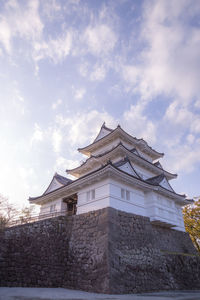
[144, 257]
[61, 252]
[105, 251]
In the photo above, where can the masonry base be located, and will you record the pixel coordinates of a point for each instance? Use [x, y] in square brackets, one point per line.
[106, 251]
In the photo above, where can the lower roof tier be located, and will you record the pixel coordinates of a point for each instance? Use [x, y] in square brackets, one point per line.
[110, 170]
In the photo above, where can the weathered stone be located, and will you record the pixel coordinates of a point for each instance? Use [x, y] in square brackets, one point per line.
[105, 251]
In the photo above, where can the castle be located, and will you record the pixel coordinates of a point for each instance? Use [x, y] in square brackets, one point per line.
[121, 172]
[124, 230]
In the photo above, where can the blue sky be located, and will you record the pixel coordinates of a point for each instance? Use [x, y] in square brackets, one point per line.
[68, 66]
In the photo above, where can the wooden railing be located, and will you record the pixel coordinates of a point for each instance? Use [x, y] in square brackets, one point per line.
[37, 217]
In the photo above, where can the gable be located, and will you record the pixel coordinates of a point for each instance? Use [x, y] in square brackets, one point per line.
[164, 183]
[128, 169]
[158, 164]
[54, 185]
[103, 132]
[135, 151]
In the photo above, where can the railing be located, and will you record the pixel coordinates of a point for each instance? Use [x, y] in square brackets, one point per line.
[37, 217]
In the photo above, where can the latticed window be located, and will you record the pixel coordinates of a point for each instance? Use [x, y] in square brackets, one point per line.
[90, 195]
[53, 208]
[122, 193]
[125, 194]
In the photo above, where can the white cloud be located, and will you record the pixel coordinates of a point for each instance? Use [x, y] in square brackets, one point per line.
[197, 103]
[51, 8]
[83, 127]
[62, 164]
[37, 134]
[5, 34]
[184, 157]
[79, 93]
[183, 117]
[83, 69]
[169, 63]
[55, 49]
[98, 74]
[57, 140]
[135, 121]
[100, 39]
[190, 138]
[178, 114]
[56, 104]
[20, 21]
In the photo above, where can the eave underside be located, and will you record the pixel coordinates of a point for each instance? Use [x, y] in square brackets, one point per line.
[105, 172]
[120, 133]
[98, 160]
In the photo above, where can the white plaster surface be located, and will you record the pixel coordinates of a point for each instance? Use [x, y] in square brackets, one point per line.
[59, 206]
[158, 208]
[18, 293]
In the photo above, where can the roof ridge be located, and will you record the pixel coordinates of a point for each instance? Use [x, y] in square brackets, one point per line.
[121, 144]
[120, 128]
[102, 167]
[107, 128]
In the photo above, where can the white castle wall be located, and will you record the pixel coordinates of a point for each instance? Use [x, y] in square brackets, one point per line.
[100, 200]
[108, 193]
[53, 206]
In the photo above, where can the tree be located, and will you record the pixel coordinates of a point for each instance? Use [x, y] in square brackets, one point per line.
[11, 216]
[26, 214]
[191, 214]
[7, 212]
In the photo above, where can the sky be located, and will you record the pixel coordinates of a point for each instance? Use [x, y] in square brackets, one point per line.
[68, 66]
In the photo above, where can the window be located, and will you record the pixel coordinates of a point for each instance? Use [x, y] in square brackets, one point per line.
[53, 208]
[90, 195]
[122, 193]
[125, 194]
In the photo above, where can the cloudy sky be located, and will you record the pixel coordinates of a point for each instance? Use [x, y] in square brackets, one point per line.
[68, 66]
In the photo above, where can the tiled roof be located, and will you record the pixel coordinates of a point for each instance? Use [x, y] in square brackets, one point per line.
[134, 151]
[156, 180]
[104, 126]
[148, 181]
[158, 164]
[119, 127]
[61, 179]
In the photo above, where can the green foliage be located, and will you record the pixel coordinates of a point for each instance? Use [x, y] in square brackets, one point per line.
[191, 214]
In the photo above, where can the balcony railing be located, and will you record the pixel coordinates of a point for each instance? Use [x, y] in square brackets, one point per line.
[37, 217]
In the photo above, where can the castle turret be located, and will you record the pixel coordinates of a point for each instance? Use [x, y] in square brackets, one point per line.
[122, 172]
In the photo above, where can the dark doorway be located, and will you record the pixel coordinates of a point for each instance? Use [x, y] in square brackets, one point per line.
[71, 204]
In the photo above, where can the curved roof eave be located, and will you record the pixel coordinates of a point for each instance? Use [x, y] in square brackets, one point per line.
[45, 192]
[32, 199]
[120, 144]
[102, 127]
[87, 148]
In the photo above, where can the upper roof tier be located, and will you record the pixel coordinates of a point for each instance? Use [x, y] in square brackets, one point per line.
[115, 154]
[106, 136]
